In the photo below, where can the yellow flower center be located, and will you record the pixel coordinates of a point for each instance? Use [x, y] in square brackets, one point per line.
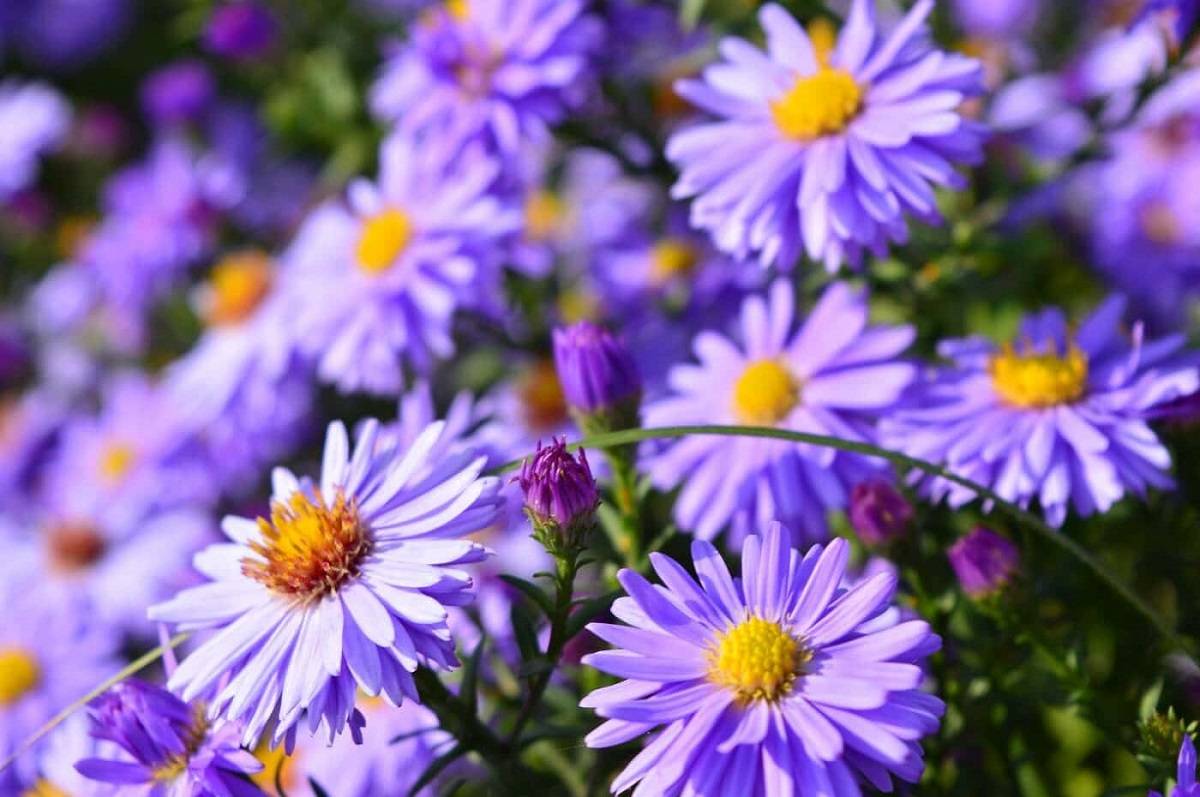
[275, 760]
[176, 765]
[459, 9]
[579, 304]
[19, 674]
[757, 660]
[818, 105]
[238, 285]
[765, 393]
[823, 35]
[44, 788]
[308, 548]
[542, 399]
[543, 214]
[673, 258]
[384, 237]
[115, 461]
[1039, 380]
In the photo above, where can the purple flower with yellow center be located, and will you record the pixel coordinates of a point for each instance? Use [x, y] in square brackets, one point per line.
[498, 73]
[983, 561]
[49, 657]
[33, 121]
[169, 747]
[1185, 776]
[1058, 416]
[343, 587]
[825, 143]
[404, 254]
[830, 375]
[780, 683]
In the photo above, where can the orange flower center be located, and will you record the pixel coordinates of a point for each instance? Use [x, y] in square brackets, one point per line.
[238, 285]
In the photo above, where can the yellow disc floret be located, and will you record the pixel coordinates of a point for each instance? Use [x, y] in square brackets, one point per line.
[308, 547]
[44, 788]
[758, 660]
[459, 9]
[544, 212]
[543, 404]
[384, 236]
[237, 286]
[823, 35]
[673, 258]
[818, 105]
[20, 674]
[1029, 379]
[765, 393]
[115, 460]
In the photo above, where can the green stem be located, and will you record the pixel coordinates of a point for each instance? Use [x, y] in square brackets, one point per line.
[633, 436]
[623, 461]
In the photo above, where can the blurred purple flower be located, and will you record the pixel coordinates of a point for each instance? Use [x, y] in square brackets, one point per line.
[34, 120]
[64, 35]
[178, 93]
[878, 512]
[595, 368]
[240, 30]
[983, 561]
[997, 19]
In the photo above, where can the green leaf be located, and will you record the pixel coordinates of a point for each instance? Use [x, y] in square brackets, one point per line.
[468, 691]
[1149, 703]
[531, 591]
[436, 767]
[535, 666]
[525, 631]
[690, 12]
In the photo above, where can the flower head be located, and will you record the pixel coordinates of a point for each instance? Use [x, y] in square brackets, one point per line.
[1185, 777]
[830, 374]
[878, 512]
[825, 145]
[33, 120]
[560, 495]
[343, 587]
[178, 93]
[240, 30]
[983, 561]
[169, 746]
[598, 374]
[783, 677]
[1058, 416]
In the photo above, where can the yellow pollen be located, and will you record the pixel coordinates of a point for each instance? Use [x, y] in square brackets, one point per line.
[459, 9]
[44, 788]
[272, 760]
[1029, 379]
[818, 105]
[543, 214]
[542, 399]
[238, 285]
[19, 675]
[384, 237]
[765, 393]
[116, 460]
[823, 35]
[308, 548]
[757, 660]
[672, 258]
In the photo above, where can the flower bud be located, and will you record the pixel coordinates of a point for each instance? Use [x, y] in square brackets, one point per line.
[878, 512]
[560, 497]
[983, 561]
[241, 30]
[599, 377]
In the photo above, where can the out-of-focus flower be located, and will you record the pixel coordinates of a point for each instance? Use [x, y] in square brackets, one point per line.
[170, 748]
[241, 30]
[830, 375]
[29, 425]
[101, 133]
[64, 35]
[560, 497]
[344, 587]
[825, 146]
[404, 255]
[178, 93]
[983, 561]
[598, 375]
[1176, 17]
[997, 19]
[878, 512]
[34, 120]
[49, 656]
[1042, 115]
[503, 73]
[1058, 416]
[779, 681]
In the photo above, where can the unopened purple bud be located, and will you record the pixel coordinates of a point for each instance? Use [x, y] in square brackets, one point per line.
[878, 512]
[560, 495]
[983, 561]
[240, 30]
[597, 371]
[179, 92]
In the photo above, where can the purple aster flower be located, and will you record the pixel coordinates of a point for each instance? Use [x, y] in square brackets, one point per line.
[404, 254]
[170, 748]
[49, 657]
[34, 120]
[1059, 416]
[780, 683]
[177, 93]
[825, 145]
[830, 375]
[344, 587]
[1042, 115]
[502, 73]
[983, 561]
[1185, 778]
[241, 30]
[1177, 17]
[878, 512]
[64, 35]
[997, 19]
[29, 426]
[596, 370]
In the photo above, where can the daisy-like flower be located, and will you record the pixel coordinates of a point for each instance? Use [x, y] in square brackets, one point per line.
[781, 683]
[825, 143]
[831, 375]
[404, 254]
[343, 587]
[1058, 416]
[168, 748]
[501, 73]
